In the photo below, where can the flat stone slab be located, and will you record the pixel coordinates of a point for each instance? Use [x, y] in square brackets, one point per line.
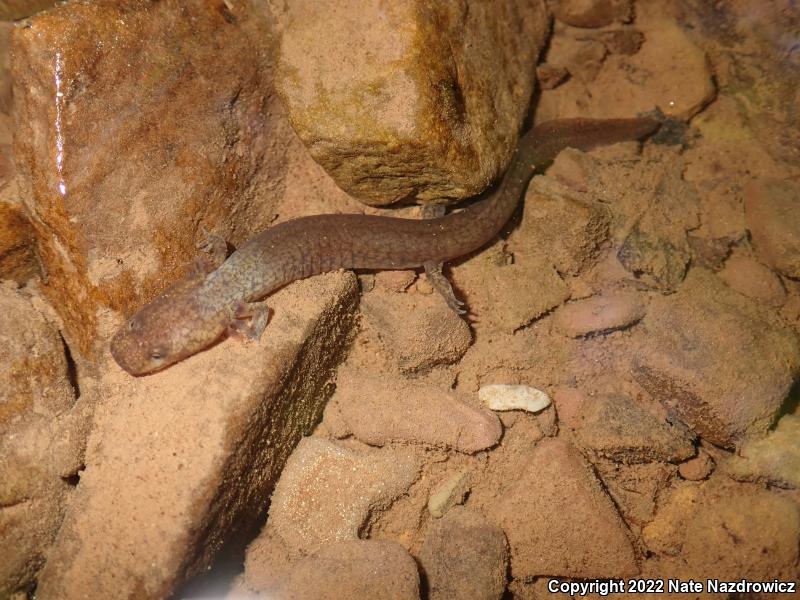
[182, 461]
[352, 569]
[327, 494]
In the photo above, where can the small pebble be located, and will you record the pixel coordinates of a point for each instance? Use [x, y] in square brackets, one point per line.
[551, 76]
[451, 492]
[697, 468]
[751, 278]
[599, 314]
[591, 13]
[513, 397]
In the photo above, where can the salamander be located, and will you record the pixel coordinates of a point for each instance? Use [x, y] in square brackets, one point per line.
[197, 311]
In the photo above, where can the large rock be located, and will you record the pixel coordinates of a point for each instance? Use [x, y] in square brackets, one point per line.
[546, 512]
[138, 125]
[181, 462]
[410, 98]
[714, 358]
[17, 259]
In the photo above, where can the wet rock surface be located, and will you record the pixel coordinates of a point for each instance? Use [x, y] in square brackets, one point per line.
[327, 494]
[17, 256]
[494, 285]
[592, 13]
[123, 164]
[354, 569]
[731, 530]
[749, 277]
[773, 221]
[415, 332]
[697, 468]
[562, 223]
[668, 60]
[618, 428]
[774, 459]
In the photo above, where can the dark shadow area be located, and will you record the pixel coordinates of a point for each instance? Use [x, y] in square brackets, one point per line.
[217, 581]
[792, 402]
[72, 369]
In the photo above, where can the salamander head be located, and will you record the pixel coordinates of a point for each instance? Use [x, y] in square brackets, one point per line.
[162, 333]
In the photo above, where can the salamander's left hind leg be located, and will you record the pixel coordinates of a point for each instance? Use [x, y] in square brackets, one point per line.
[434, 270]
[444, 287]
[250, 320]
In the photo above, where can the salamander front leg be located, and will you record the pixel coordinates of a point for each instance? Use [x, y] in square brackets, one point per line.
[250, 320]
[443, 286]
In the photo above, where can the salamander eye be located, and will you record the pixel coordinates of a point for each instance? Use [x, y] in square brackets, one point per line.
[156, 354]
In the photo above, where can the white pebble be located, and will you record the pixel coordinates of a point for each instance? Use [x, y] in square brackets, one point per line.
[513, 397]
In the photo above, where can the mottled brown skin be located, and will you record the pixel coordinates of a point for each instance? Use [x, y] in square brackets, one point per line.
[193, 313]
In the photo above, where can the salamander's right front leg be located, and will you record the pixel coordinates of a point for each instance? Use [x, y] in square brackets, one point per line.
[250, 320]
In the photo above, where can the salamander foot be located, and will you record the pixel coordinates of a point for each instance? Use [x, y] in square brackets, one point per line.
[444, 287]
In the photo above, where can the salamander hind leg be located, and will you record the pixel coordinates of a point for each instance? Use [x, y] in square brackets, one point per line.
[214, 251]
[250, 320]
[443, 286]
